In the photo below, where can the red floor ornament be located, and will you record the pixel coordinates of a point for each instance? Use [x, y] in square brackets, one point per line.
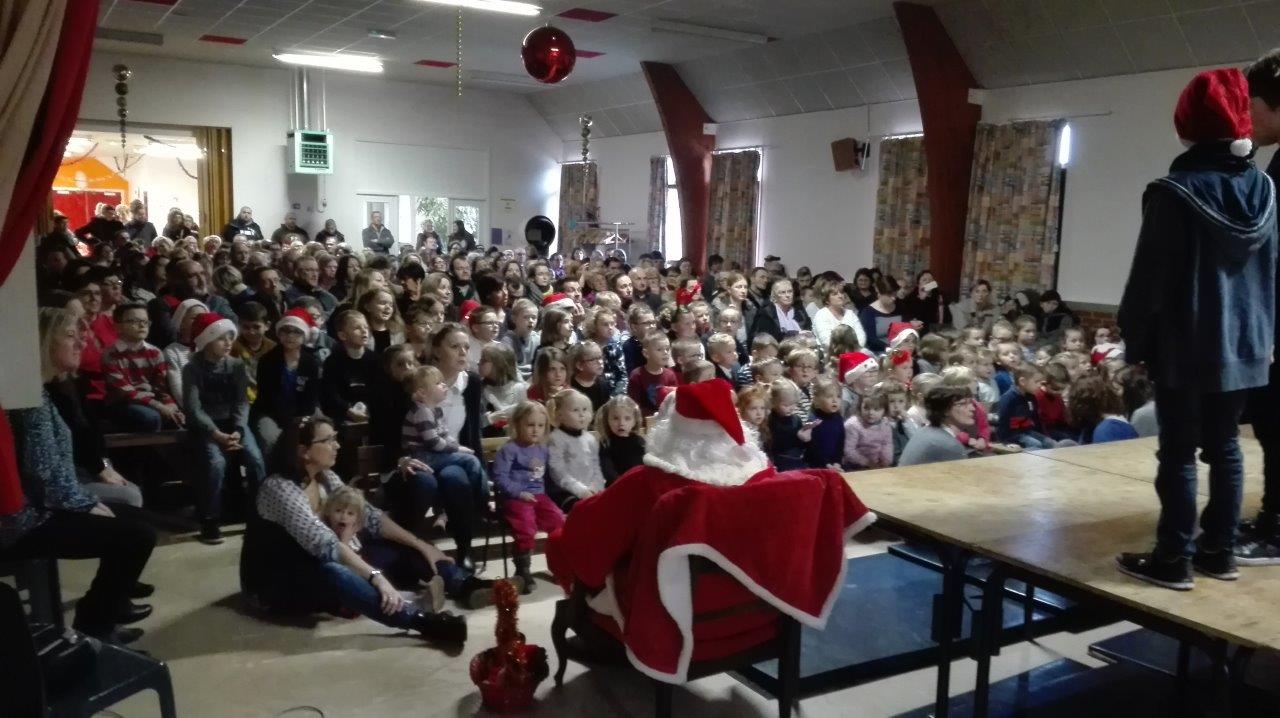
[509, 673]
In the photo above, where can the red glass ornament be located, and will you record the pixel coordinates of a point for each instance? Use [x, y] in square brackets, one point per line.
[549, 54]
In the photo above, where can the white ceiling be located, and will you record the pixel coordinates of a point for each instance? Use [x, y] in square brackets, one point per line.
[829, 54]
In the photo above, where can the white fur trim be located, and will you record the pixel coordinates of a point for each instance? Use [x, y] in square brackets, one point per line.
[215, 330]
[1241, 147]
[902, 336]
[296, 323]
[606, 602]
[700, 450]
[185, 307]
[675, 590]
[867, 365]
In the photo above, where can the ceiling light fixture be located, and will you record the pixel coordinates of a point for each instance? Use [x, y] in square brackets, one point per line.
[382, 34]
[353, 63]
[684, 28]
[507, 6]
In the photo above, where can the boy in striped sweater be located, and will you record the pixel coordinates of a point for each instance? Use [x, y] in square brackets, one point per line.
[137, 383]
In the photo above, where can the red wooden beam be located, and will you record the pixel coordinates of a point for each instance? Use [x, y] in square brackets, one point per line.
[682, 120]
[943, 82]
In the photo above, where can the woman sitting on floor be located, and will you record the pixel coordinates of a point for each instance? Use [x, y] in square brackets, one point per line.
[292, 562]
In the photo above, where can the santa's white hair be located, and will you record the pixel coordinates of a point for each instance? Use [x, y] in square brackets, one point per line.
[700, 449]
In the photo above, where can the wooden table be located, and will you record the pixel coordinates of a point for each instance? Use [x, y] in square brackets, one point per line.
[1056, 518]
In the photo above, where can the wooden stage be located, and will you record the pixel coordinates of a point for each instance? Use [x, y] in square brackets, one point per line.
[1056, 519]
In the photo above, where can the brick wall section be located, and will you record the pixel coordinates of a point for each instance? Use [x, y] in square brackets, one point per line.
[1094, 316]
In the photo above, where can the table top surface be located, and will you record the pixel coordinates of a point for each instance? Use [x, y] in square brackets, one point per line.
[1065, 514]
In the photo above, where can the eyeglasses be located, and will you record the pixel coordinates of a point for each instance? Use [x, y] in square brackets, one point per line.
[114, 283]
[330, 439]
[136, 322]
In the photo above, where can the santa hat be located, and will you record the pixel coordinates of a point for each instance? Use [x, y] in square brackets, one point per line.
[466, 308]
[1215, 106]
[210, 326]
[855, 364]
[558, 300]
[900, 332]
[184, 308]
[299, 319]
[701, 437]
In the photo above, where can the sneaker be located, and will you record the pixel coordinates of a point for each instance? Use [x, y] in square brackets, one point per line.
[432, 599]
[1168, 574]
[442, 626]
[1218, 564]
[210, 532]
[1255, 551]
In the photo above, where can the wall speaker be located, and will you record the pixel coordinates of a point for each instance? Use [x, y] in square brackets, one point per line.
[850, 154]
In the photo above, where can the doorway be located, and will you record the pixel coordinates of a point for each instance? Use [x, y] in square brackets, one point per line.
[387, 206]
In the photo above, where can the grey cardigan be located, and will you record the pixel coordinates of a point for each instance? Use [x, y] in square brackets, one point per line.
[931, 444]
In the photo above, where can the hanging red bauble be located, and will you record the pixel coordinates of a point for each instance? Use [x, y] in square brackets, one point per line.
[548, 54]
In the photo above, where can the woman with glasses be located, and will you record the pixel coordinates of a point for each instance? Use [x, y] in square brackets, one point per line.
[292, 562]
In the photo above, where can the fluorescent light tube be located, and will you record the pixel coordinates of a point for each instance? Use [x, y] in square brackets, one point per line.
[507, 6]
[353, 63]
[684, 28]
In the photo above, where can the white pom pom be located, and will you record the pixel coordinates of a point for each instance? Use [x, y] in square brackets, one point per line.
[1242, 147]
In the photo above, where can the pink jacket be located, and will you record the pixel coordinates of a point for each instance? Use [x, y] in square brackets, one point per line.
[867, 446]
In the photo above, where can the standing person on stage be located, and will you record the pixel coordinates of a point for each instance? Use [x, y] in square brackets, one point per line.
[1199, 310]
[1259, 542]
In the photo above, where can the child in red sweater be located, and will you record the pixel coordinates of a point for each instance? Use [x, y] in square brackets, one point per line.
[1050, 404]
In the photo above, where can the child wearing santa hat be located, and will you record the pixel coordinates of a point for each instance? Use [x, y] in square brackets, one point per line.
[215, 390]
[288, 380]
[859, 371]
[1199, 309]
[178, 353]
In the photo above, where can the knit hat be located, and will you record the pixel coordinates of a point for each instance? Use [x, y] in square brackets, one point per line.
[1215, 106]
[558, 300]
[855, 364]
[698, 435]
[299, 319]
[466, 308]
[900, 332]
[184, 308]
[210, 326]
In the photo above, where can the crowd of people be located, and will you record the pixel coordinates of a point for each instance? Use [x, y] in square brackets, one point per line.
[262, 349]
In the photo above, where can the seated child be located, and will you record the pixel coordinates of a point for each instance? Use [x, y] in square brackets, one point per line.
[252, 343]
[215, 396]
[503, 388]
[1044, 353]
[786, 443]
[520, 470]
[701, 312]
[178, 353]
[1008, 357]
[1019, 421]
[917, 415]
[899, 365]
[868, 437]
[424, 436]
[641, 321]
[859, 372]
[574, 452]
[763, 346]
[766, 371]
[975, 338]
[1073, 341]
[729, 322]
[586, 362]
[1050, 405]
[645, 381]
[684, 352]
[897, 401]
[550, 374]
[347, 373]
[1098, 411]
[754, 402]
[933, 350]
[826, 440]
[346, 513]
[1025, 334]
[138, 397]
[1001, 332]
[802, 368]
[722, 351]
[602, 328]
[520, 337]
[984, 369]
[618, 424]
[696, 371]
[844, 340]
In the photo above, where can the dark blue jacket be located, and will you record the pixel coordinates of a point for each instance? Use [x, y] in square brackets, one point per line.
[1018, 415]
[826, 445]
[1199, 306]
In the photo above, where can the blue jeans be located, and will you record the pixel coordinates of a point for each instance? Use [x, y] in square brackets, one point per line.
[456, 483]
[351, 591]
[405, 567]
[1032, 440]
[1209, 422]
[213, 469]
[134, 417]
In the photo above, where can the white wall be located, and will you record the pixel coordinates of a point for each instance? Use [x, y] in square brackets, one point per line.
[1122, 138]
[406, 119]
[166, 186]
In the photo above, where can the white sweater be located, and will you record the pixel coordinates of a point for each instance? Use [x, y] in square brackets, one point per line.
[176, 356]
[501, 400]
[824, 322]
[575, 463]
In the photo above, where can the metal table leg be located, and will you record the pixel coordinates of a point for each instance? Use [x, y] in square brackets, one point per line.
[948, 616]
[986, 638]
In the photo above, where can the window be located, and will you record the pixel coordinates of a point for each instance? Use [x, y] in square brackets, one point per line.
[673, 239]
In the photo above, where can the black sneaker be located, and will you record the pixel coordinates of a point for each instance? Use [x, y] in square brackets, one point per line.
[210, 532]
[1168, 574]
[1258, 551]
[1219, 564]
[443, 626]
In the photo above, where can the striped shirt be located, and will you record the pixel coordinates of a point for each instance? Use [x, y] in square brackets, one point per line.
[424, 430]
[136, 374]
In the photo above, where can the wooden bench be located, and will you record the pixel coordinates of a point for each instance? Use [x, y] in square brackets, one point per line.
[131, 440]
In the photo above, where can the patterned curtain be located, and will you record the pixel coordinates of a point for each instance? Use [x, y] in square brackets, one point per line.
[657, 203]
[579, 202]
[900, 247]
[735, 192]
[1011, 233]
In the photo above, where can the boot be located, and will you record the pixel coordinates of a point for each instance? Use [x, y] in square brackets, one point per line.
[1265, 527]
[444, 627]
[523, 573]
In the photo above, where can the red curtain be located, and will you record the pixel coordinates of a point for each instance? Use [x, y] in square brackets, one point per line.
[58, 111]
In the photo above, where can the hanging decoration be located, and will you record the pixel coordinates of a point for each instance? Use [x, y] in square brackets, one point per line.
[458, 65]
[509, 673]
[123, 73]
[548, 54]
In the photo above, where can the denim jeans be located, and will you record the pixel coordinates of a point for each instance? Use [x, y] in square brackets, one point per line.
[134, 417]
[213, 468]
[459, 479]
[1264, 414]
[1209, 422]
[405, 567]
[351, 591]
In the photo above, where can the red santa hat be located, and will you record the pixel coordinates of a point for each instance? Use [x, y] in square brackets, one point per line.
[900, 332]
[558, 300]
[855, 364]
[186, 308]
[466, 308]
[210, 326]
[701, 437]
[1215, 106]
[300, 319]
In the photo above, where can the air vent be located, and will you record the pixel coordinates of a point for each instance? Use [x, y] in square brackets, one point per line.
[141, 38]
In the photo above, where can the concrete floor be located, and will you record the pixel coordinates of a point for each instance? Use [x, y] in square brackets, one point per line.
[227, 664]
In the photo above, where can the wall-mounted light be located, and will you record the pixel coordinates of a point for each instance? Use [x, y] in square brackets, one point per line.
[1064, 146]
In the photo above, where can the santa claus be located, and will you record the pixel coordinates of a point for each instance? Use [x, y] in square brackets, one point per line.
[706, 490]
